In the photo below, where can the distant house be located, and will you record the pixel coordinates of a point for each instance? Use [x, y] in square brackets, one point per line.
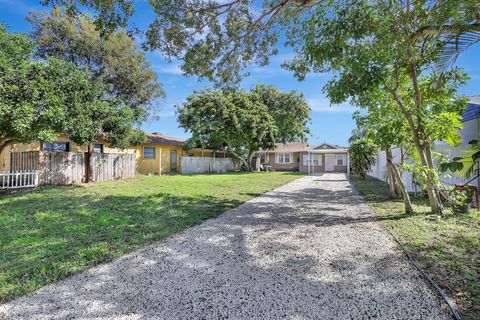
[304, 158]
[159, 154]
[470, 131]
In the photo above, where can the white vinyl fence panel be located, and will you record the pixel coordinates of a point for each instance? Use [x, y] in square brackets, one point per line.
[19, 179]
[192, 165]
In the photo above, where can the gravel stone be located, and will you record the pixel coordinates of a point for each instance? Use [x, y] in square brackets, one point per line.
[310, 249]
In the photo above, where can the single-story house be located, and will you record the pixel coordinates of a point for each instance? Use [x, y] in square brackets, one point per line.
[159, 154]
[61, 144]
[302, 157]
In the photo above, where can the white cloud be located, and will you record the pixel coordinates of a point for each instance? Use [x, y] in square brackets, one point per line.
[169, 69]
[323, 105]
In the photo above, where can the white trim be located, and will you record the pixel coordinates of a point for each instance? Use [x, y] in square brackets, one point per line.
[277, 157]
[343, 158]
[267, 157]
[307, 159]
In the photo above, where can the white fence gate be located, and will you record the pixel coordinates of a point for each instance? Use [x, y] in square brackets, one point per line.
[191, 165]
[19, 179]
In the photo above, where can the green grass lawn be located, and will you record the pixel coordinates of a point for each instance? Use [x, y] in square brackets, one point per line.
[53, 232]
[448, 250]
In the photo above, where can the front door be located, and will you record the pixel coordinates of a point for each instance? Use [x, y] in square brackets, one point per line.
[329, 162]
[173, 160]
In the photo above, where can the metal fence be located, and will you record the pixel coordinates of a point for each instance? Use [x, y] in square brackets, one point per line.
[192, 165]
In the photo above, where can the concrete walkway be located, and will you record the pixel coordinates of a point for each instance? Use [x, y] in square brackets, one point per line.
[307, 250]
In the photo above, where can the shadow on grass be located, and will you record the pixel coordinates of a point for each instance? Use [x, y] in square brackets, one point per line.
[50, 237]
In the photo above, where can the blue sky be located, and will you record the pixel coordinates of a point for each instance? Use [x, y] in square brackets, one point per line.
[331, 124]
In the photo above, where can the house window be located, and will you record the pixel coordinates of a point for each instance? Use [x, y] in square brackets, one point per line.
[148, 153]
[314, 159]
[284, 158]
[56, 147]
[341, 159]
[98, 148]
[263, 157]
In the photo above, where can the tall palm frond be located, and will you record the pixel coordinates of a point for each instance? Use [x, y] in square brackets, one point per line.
[468, 34]
[454, 47]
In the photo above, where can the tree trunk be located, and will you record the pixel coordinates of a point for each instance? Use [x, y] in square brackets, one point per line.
[392, 184]
[436, 206]
[88, 164]
[249, 160]
[398, 178]
[239, 158]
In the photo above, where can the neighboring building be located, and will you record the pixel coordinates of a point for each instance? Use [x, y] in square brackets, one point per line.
[470, 131]
[304, 158]
[61, 144]
[159, 154]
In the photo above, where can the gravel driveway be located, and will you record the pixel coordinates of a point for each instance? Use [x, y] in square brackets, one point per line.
[307, 250]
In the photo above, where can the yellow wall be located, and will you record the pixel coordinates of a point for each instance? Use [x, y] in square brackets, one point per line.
[162, 157]
[37, 146]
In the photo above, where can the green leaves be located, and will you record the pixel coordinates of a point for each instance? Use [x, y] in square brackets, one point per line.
[244, 122]
[112, 60]
[362, 155]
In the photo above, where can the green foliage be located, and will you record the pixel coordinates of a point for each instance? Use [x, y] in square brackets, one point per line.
[41, 99]
[289, 110]
[111, 13]
[244, 122]
[362, 155]
[113, 60]
[465, 165]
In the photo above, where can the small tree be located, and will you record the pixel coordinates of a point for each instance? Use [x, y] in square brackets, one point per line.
[362, 156]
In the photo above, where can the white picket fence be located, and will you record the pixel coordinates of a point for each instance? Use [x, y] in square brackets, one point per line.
[18, 179]
[192, 165]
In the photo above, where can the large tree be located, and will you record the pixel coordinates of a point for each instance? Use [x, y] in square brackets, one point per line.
[112, 59]
[368, 45]
[41, 99]
[244, 122]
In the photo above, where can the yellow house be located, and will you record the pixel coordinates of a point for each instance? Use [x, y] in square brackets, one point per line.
[61, 144]
[159, 154]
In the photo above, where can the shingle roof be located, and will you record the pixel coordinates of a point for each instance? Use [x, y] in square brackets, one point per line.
[289, 147]
[162, 139]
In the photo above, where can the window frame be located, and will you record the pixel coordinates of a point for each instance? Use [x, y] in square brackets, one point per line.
[343, 158]
[54, 149]
[265, 154]
[96, 145]
[154, 153]
[316, 157]
[281, 156]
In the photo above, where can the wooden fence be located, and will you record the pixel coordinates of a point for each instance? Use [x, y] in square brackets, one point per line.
[191, 165]
[66, 168]
[113, 166]
[16, 180]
